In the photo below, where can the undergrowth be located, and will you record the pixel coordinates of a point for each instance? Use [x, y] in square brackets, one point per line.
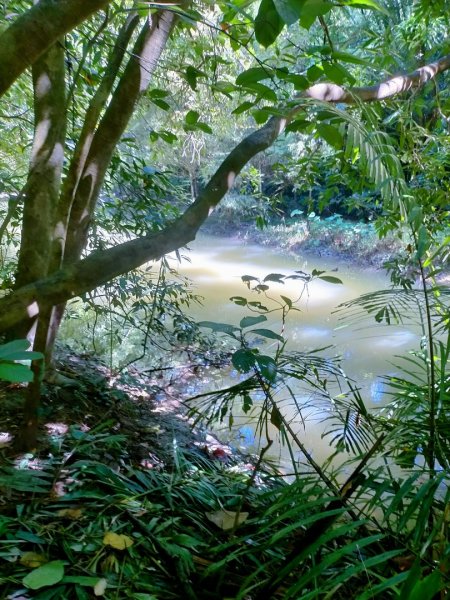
[334, 236]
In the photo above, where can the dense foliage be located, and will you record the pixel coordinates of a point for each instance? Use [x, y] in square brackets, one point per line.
[114, 152]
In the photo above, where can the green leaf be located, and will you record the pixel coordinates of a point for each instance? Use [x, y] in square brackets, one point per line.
[287, 301]
[277, 277]
[367, 4]
[191, 75]
[331, 135]
[268, 23]
[15, 373]
[243, 360]
[260, 115]
[314, 72]
[423, 241]
[427, 588]
[192, 117]
[161, 104]
[48, 574]
[243, 107]
[289, 10]
[349, 58]
[24, 355]
[248, 278]
[330, 279]
[204, 127]
[267, 367]
[312, 9]
[253, 75]
[262, 91]
[239, 300]
[81, 580]
[300, 82]
[247, 402]
[14, 346]
[268, 333]
[337, 73]
[219, 327]
[249, 321]
[298, 125]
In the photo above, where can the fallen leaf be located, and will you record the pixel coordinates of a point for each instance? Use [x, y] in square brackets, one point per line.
[100, 587]
[32, 560]
[119, 541]
[71, 513]
[225, 519]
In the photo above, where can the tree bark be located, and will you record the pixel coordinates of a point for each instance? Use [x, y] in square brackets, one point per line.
[38, 29]
[44, 176]
[40, 200]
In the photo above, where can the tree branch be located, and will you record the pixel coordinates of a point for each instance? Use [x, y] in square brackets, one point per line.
[330, 92]
[38, 29]
[100, 267]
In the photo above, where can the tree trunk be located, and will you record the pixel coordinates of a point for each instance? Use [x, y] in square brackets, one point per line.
[134, 81]
[40, 200]
[44, 176]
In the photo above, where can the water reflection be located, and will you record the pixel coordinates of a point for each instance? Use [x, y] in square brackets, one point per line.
[367, 350]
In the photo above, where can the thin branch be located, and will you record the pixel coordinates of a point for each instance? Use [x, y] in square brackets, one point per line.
[36, 30]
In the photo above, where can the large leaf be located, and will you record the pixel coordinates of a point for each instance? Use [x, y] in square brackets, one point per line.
[367, 4]
[268, 23]
[268, 333]
[330, 279]
[219, 327]
[243, 360]
[15, 373]
[267, 367]
[48, 574]
[289, 10]
[312, 9]
[252, 75]
[249, 321]
[12, 347]
[330, 134]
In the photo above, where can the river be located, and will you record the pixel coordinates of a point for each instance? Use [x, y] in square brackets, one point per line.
[368, 349]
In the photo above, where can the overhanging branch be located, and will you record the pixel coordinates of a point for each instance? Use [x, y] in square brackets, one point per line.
[100, 267]
[330, 92]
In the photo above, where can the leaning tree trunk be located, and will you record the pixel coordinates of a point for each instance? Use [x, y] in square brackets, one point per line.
[40, 200]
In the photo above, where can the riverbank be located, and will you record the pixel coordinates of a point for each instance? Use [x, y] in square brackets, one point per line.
[335, 237]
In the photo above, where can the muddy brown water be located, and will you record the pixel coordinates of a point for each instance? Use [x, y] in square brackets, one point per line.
[368, 350]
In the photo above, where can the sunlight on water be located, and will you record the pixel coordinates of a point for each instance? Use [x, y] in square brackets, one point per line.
[368, 350]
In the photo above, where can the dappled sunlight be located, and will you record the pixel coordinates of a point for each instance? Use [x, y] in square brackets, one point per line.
[231, 179]
[40, 136]
[43, 85]
[33, 309]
